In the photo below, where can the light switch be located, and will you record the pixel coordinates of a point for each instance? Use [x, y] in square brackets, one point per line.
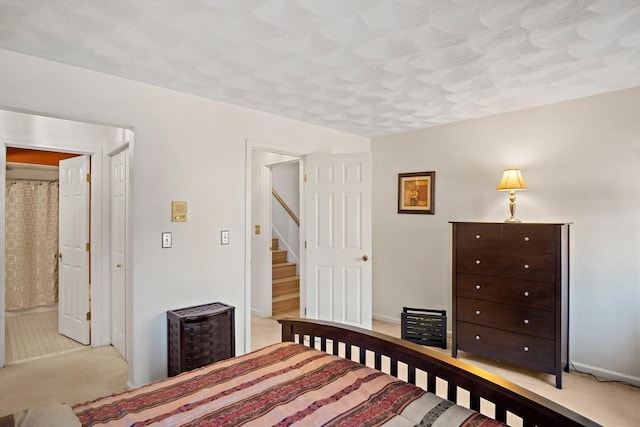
[166, 240]
[224, 237]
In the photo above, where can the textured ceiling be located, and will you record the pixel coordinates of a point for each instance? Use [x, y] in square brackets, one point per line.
[366, 67]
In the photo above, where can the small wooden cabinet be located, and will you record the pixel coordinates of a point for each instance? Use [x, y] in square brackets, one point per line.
[200, 335]
[510, 293]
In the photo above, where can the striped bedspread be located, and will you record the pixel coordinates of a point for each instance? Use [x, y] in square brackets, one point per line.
[280, 385]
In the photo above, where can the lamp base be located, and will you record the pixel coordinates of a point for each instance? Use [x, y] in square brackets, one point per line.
[512, 220]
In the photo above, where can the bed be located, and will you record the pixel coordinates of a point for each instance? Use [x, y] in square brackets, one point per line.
[317, 376]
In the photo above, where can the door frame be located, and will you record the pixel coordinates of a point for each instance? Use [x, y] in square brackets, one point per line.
[85, 144]
[96, 292]
[265, 250]
[250, 147]
[128, 306]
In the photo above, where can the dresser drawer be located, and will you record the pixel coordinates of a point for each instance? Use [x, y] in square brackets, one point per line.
[510, 347]
[509, 291]
[480, 261]
[512, 318]
[535, 267]
[474, 235]
[529, 238]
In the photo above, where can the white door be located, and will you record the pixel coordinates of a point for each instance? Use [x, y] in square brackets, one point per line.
[118, 267]
[338, 238]
[73, 272]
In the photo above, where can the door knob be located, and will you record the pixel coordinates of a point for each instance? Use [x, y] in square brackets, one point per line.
[118, 265]
[365, 258]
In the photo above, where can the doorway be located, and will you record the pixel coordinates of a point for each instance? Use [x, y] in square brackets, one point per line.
[285, 238]
[271, 222]
[25, 130]
[31, 264]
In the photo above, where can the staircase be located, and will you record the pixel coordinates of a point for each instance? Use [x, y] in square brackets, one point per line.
[285, 284]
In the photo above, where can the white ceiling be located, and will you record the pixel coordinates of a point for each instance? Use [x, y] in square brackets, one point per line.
[366, 67]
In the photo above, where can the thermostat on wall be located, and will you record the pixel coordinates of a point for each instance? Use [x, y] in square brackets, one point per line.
[179, 211]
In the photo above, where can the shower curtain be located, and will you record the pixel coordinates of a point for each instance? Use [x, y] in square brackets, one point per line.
[31, 243]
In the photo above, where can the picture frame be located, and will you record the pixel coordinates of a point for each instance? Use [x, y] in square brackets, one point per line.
[416, 193]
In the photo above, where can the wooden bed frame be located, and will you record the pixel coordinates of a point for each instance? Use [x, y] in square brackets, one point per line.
[533, 409]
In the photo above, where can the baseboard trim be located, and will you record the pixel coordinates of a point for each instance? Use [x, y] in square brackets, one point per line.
[385, 319]
[605, 373]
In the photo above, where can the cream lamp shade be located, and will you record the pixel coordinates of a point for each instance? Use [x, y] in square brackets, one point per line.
[511, 181]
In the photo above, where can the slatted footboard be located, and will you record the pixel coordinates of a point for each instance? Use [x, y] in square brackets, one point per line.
[482, 390]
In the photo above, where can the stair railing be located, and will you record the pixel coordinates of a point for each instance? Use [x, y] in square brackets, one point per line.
[286, 207]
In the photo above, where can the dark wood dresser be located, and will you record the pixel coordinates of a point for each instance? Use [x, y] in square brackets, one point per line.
[200, 335]
[511, 293]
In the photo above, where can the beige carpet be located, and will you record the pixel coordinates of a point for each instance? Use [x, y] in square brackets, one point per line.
[89, 373]
[35, 334]
[71, 377]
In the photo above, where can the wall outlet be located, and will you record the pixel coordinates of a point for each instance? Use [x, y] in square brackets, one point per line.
[224, 237]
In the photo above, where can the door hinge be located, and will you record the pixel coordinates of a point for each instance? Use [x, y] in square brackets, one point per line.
[88, 316]
[89, 177]
[88, 247]
[305, 244]
[305, 311]
[306, 178]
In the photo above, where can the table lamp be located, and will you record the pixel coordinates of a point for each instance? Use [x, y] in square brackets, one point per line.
[512, 180]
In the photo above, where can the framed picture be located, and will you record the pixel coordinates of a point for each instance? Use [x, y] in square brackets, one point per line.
[416, 192]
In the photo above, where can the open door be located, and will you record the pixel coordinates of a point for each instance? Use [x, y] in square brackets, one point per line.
[338, 238]
[118, 247]
[73, 272]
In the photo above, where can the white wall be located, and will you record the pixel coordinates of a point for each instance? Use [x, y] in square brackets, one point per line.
[187, 148]
[581, 161]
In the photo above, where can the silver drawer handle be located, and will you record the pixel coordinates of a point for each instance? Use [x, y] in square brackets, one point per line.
[526, 321]
[477, 236]
[477, 337]
[477, 262]
[478, 287]
[526, 293]
[526, 266]
[477, 311]
[526, 348]
[526, 238]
